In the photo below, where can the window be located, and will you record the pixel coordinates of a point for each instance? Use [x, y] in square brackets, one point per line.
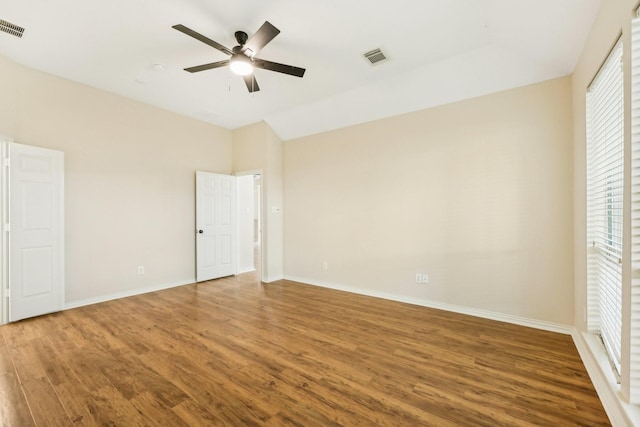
[634, 339]
[605, 178]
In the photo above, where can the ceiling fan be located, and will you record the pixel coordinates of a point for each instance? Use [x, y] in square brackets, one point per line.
[243, 60]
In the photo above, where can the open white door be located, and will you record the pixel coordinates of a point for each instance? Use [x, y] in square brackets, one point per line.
[36, 231]
[216, 234]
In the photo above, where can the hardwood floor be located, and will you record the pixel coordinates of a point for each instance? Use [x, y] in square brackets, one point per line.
[238, 353]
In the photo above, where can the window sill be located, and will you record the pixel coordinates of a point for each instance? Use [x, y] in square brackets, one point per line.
[595, 360]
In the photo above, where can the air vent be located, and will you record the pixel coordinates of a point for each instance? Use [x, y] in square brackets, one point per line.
[375, 56]
[10, 28]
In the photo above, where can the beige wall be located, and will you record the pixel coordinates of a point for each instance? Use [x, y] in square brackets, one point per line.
[257, 147]
[273, 186]
[129, 178]
[250, 147]
[478, 194]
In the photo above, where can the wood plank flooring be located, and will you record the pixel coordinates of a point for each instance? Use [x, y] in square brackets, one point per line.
[235, 352]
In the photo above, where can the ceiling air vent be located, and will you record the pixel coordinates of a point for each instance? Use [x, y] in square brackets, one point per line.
[10, 28]
[375, 56]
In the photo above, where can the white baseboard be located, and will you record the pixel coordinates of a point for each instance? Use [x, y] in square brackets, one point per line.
[133, 292]
[272, 279]
[146, 290]
[501, 317]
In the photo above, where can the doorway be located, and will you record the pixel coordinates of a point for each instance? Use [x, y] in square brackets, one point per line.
[249, 202]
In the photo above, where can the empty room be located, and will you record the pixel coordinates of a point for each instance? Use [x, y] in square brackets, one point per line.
[281, 213]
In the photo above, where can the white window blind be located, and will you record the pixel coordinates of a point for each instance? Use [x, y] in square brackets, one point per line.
[634, 342]
[605, 162]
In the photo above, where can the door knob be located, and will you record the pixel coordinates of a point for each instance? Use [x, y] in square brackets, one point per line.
[200, 231]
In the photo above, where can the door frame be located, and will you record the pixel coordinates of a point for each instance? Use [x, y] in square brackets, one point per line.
[261, 212]
[4, 242]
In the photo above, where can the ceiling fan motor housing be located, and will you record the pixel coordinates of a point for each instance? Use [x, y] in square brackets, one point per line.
[241, 37]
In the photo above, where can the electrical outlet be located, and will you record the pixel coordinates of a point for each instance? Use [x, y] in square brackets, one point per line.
[325, 265]
[422, 278]
[141, 269]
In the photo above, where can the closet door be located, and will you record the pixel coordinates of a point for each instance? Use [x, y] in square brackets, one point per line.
[36, 231]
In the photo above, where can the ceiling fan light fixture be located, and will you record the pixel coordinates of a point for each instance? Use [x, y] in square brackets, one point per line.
[241, 65]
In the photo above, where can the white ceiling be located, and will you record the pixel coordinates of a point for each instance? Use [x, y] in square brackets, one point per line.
[439, 51]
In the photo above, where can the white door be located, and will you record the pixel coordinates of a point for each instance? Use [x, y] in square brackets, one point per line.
[36, 231]
[216, 234]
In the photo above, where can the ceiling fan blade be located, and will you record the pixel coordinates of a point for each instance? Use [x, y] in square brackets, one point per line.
[251, 82]
[280, 68]
[260, 38]
[209, 66]
[203, 39]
